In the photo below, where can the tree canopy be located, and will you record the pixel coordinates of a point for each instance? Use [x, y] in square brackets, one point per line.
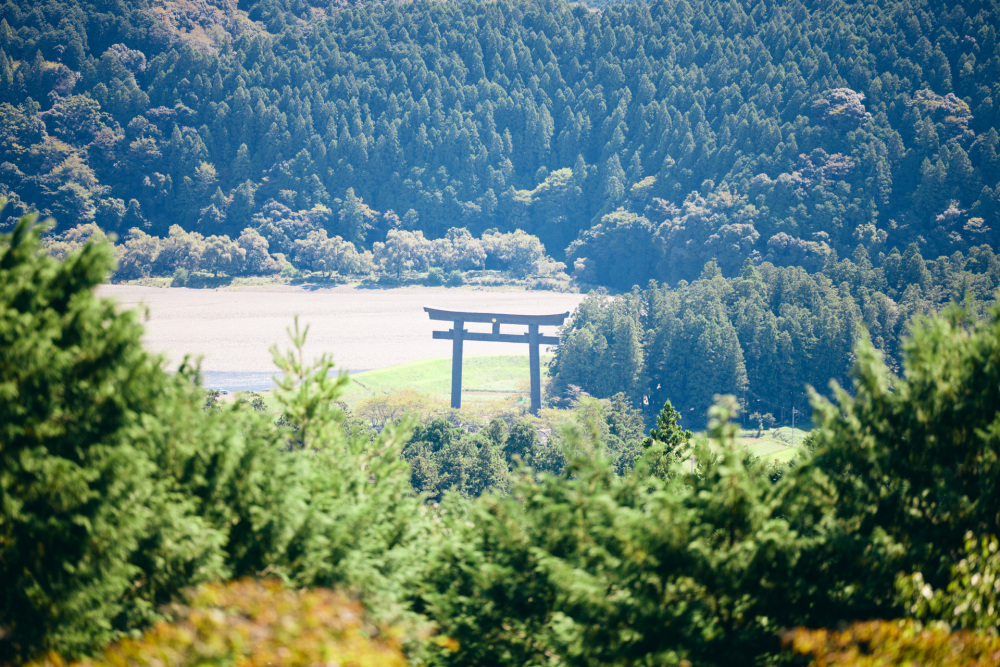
[636, 141]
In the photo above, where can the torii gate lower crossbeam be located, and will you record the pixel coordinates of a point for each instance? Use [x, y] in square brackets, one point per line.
[458, 335]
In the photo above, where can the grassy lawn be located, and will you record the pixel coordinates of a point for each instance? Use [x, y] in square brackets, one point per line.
[485, 380]
[781, 444]
[496, 376]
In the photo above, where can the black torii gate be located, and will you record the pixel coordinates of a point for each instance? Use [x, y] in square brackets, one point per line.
[458, 334]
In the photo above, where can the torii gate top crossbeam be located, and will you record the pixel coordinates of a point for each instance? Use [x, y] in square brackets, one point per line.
[498, 318]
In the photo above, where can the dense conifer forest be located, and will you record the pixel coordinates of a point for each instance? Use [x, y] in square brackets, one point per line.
[763, 196]
[791, 171]
[636, 142]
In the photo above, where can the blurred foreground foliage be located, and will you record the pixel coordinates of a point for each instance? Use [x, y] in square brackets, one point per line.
[119, 491]
[890, 643]
[253, 623]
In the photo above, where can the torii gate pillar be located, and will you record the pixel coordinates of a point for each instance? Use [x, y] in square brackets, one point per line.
[458, 335]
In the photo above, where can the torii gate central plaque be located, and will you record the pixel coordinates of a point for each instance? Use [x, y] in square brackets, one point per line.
[458, 334]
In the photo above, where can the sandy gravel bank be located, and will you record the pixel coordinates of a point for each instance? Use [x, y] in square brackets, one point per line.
[232, 329]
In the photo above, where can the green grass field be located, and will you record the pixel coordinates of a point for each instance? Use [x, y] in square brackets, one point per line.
[491, 376]
[777, 444]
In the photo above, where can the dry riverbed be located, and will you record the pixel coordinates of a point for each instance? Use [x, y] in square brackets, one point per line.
[233, 329]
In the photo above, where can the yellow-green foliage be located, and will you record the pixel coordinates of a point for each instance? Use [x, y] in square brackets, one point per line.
[250, 622]
[890, 643]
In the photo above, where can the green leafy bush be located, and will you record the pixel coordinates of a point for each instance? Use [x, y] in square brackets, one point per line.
[435, 276]
[360, 526]
[586, 568]
[972, 597]
[99, 523]
[180, 277]
[903, 469]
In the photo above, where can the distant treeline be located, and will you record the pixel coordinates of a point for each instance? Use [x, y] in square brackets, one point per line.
[643, 139]
[762, 335]
[180, 253]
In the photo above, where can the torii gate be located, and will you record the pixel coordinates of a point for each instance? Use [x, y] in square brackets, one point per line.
[458, 334]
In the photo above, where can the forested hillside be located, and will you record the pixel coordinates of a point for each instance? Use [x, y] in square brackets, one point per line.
[637, 141]
[763, 335]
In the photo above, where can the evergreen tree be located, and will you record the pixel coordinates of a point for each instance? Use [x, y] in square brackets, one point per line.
[96, 531]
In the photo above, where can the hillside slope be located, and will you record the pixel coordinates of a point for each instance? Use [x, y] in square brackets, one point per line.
[648, 137]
